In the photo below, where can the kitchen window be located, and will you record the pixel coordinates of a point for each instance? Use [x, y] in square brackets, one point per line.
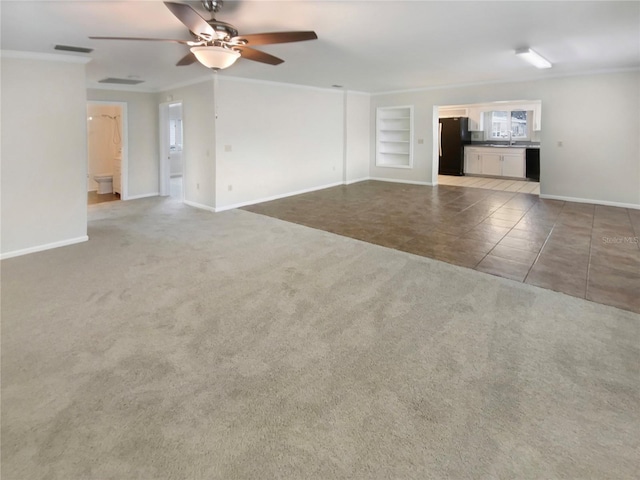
[508, 125]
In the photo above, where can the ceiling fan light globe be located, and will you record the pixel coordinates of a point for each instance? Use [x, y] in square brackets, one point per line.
[215, 57]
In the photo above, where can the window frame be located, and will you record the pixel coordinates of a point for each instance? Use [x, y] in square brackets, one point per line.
[509, 126]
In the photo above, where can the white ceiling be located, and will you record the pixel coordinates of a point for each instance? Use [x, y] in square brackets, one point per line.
[369, 46]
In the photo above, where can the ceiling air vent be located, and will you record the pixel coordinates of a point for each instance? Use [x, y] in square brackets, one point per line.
[68, 48]
[121, 81]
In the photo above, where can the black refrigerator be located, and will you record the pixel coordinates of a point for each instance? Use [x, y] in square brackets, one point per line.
[453, 136]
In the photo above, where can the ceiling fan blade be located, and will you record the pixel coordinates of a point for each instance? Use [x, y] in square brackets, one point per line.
[184, 42]
[191, 19]
[258, 56]
[188, 59]
[276, 37]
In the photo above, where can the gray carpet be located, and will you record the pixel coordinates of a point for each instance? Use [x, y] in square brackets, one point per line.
[181, 344]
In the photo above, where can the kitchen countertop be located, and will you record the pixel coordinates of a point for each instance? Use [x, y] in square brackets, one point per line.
[502, 145]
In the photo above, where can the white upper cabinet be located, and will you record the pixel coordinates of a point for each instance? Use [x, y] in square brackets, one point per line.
[537, 116]
[475, 119]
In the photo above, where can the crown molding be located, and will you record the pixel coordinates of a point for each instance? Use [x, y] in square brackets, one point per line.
[120, 88]
[512, 80]
[282, 84]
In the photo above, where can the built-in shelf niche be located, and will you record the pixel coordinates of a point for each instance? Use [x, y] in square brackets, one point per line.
[394, 137]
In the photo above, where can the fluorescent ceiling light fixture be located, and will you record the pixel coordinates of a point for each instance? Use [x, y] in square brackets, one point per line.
[533, 58]
[215, 57]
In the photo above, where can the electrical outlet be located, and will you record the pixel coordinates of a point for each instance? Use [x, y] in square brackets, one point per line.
[560, 143]
[197, 186]
[230, 187]
[227, 148]
[420, 141]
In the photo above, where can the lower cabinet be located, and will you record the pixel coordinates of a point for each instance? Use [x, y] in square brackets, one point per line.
[513, 165]
[491, 164]
[495, 162]
[472, 162]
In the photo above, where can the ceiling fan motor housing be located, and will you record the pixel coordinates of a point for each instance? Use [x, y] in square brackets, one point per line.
[225, 31]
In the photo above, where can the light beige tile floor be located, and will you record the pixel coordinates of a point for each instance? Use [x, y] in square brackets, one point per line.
[490, 183]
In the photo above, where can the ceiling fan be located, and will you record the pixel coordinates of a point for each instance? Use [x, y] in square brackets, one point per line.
[217, 44]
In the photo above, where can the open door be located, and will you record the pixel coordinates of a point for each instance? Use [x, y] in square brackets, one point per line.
[171, 144]
[107, 148]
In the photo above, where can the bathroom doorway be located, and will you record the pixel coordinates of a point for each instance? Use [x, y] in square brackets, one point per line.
[106, 151]
[171, 146]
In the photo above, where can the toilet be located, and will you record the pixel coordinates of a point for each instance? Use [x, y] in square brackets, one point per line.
[105, 183]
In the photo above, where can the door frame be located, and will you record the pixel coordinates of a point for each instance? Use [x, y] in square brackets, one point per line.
[435, 153]
[124, 131]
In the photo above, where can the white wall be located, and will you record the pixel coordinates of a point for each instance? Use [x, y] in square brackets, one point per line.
[282, 139]
[198, 151]
[44, 148]
[597, 119]
[358, 136]
[143, 155]
[104, 140]
[594, 116]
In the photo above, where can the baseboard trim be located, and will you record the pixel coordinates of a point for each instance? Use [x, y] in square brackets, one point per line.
[276, 197]
[393, 180]
[592, 201]
[357, 180]
[144, 195]
[41, 248]
[201, 206]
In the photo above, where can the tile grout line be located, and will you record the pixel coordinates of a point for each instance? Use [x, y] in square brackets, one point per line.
[501, 238]
[544, 243]
[633, 228]
[586, 287]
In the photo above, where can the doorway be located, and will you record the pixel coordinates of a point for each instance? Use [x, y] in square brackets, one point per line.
[172, 169]
[107, 147]
[496, 157]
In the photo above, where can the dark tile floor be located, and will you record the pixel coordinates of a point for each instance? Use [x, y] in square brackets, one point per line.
[588, 251]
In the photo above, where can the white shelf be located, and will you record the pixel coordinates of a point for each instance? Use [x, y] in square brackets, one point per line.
[394, 137]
